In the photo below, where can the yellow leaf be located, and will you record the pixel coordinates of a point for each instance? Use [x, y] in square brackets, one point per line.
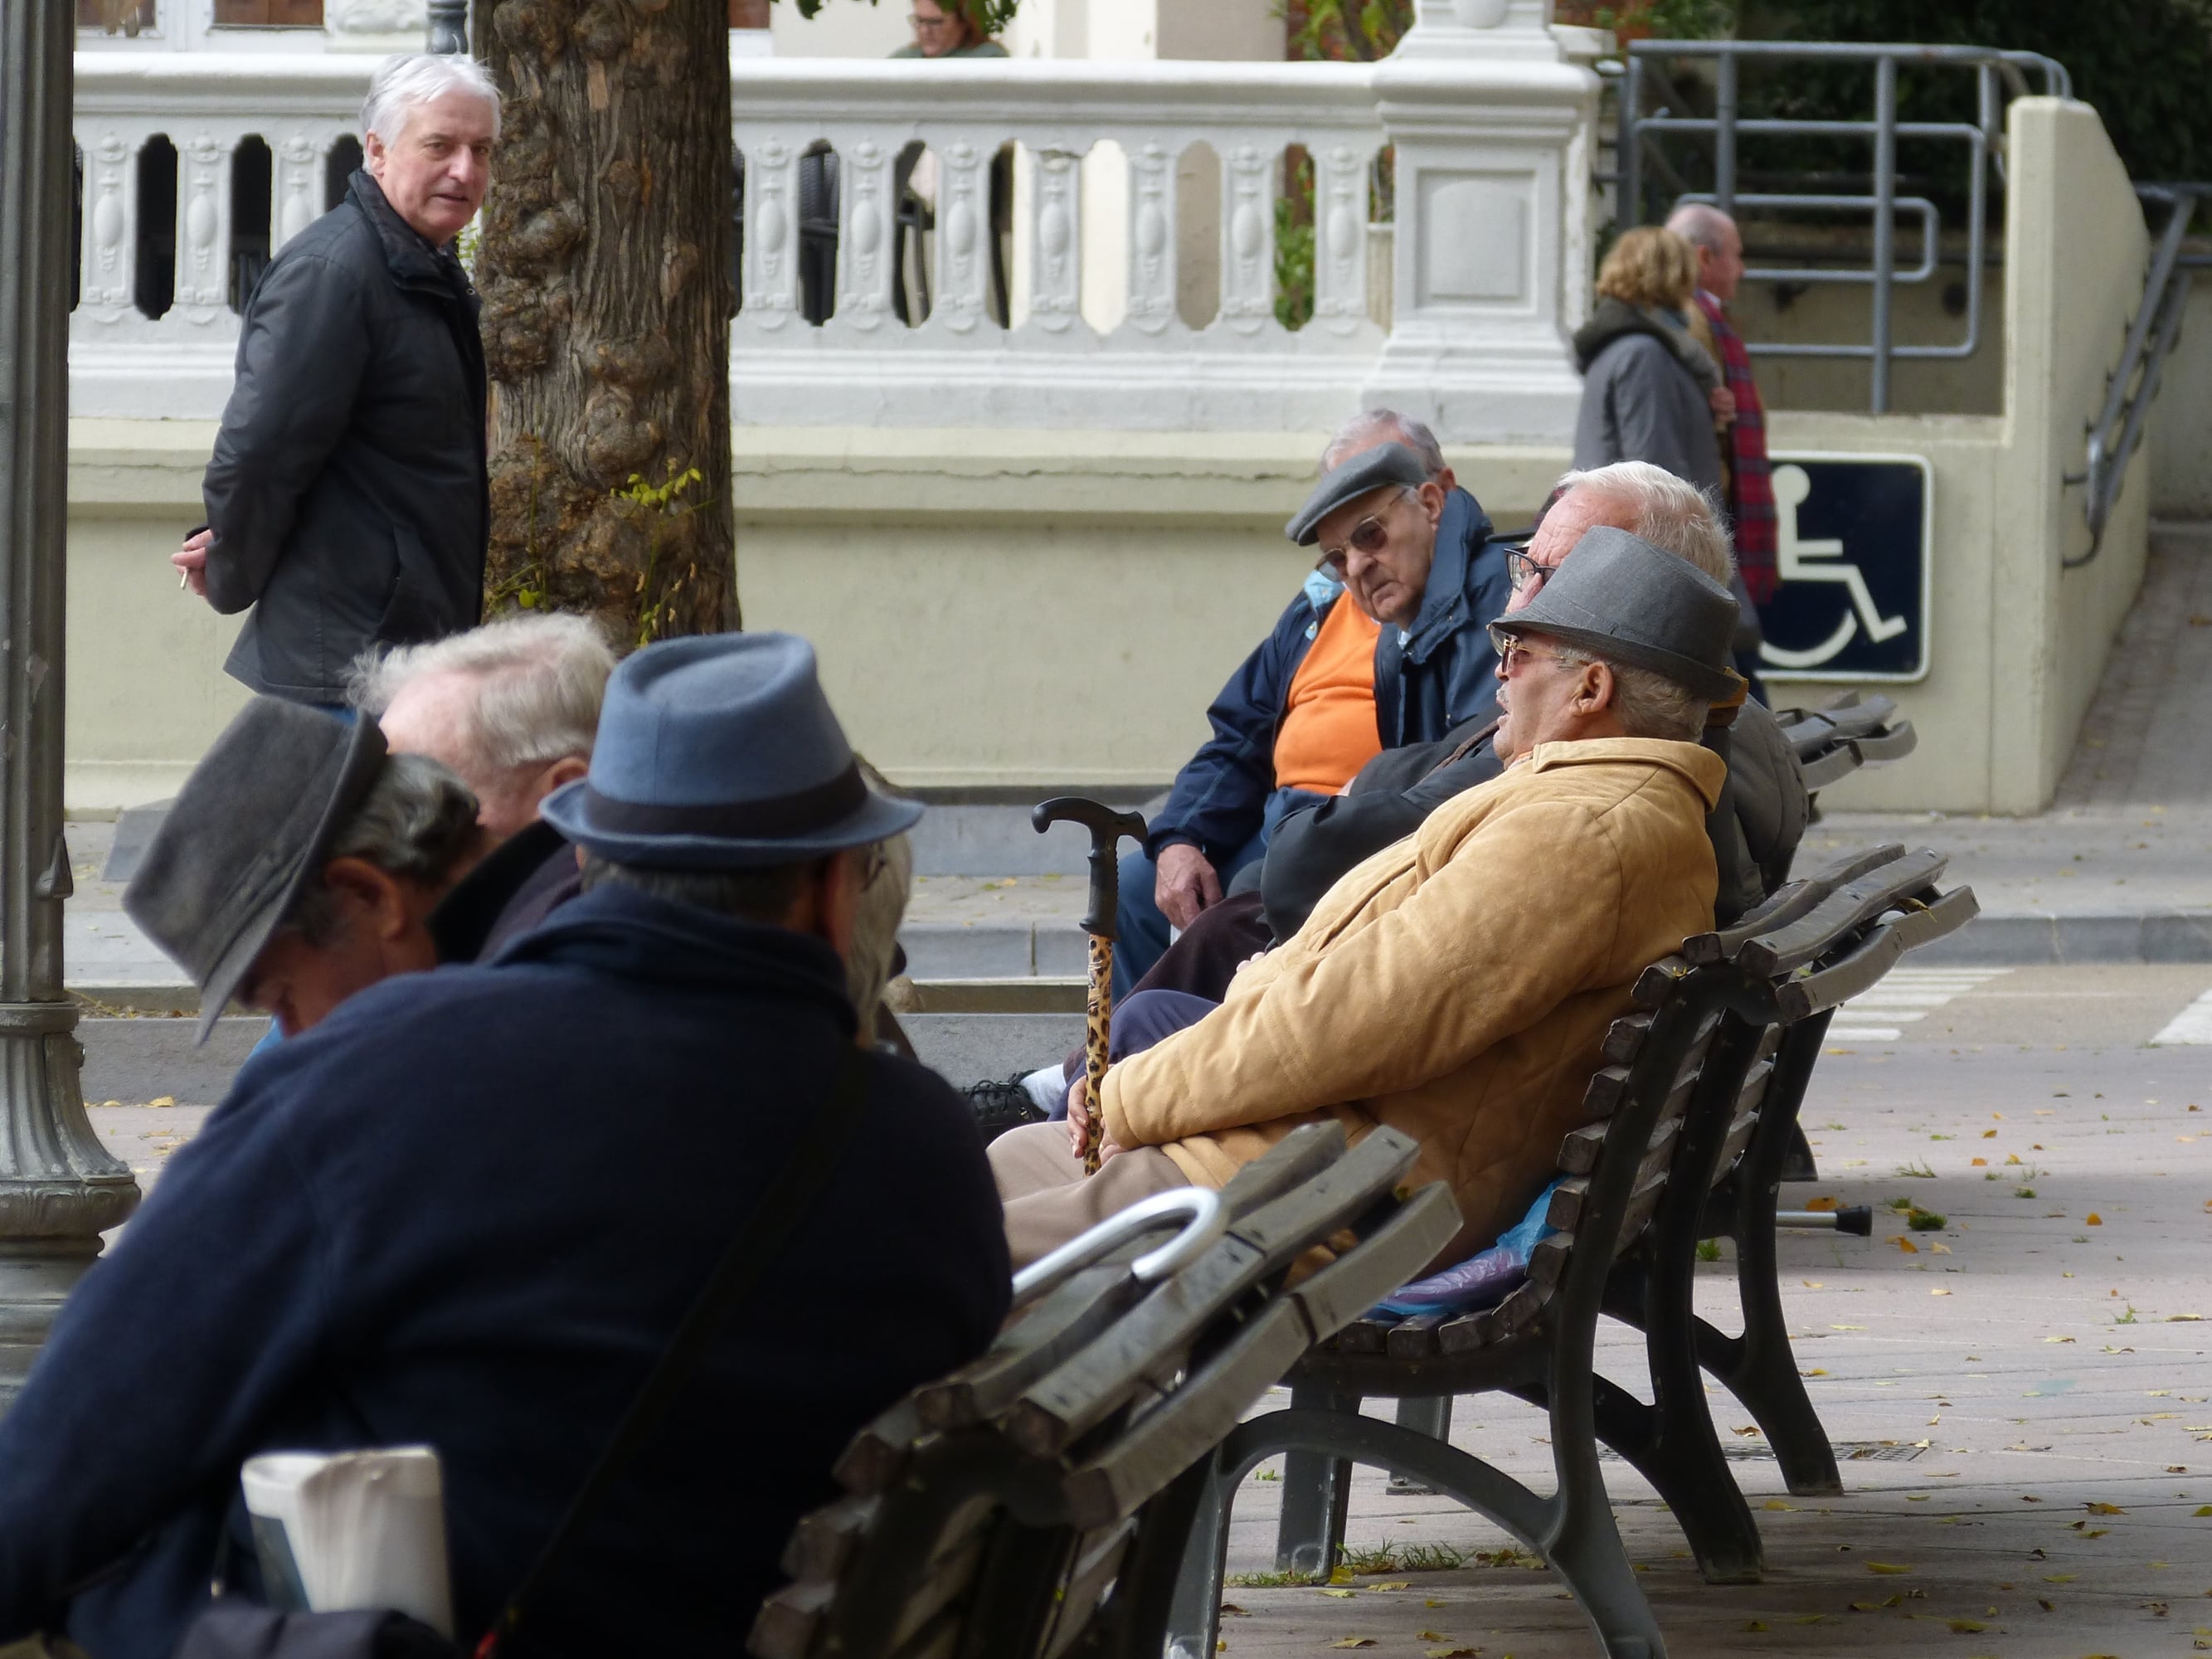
[1820, 1204]
[1395, 1585]
[1810, 1618]
[1847, 1328]
[2103, 1509]
[2093, 1219]
[1340, 1575]
[1966, 1627]
[1432, 1604]
[1987, 1135]
[163, 1100]
[2201, 1511]
[1450, 1653]
[1354, 1642]
[1776, 1504]
[1940, 1248]
[2057, 1577]
[1886, 1569]
[1906, 1245]
[1981, 1163]
[1341, 1595]
[1939, 1292]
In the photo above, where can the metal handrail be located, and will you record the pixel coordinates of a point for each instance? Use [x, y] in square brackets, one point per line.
[2118, 429]
[1997, 72]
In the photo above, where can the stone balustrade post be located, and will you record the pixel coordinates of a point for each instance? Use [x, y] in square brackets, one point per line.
[1493, 131]
[59, 1188]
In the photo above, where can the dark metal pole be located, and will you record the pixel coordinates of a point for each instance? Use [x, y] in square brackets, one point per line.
[1628, 209]
[449, 26]
[1724, 107]
[1885, 221]
[59, 1188]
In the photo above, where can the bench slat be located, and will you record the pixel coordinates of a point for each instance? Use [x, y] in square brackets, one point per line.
[1789, 902]
[1823, 927]
[1414, 1337]
[1873, 957]
[1060, 1326]
[1624, 1038]
[878, 1455]
[788, 1619]
[823, 1541]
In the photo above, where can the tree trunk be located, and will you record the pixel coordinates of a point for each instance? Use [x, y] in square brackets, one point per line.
[604, 269]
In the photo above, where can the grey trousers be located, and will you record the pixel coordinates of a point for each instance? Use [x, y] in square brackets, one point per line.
[1048, 1198]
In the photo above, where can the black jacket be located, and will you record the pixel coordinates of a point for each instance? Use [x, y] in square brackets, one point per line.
[348, 490]
[468, 1210]
[1754, 829]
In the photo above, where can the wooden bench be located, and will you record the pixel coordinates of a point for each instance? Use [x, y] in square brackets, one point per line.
[1045, 1493]
[1850, 730]
[1693, 1112]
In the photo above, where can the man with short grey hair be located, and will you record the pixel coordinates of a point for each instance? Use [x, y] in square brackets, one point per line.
[347, 504]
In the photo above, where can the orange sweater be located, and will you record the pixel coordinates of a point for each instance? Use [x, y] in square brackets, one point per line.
[1329, 730]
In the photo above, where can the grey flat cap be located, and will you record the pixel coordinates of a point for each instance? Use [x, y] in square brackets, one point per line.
[1371, 468]
[254, 820]
[1625, 599]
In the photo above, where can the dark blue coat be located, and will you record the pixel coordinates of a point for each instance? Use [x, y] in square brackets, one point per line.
[1439, 677]
[468, 1210]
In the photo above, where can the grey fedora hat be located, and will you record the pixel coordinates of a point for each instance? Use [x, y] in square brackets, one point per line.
[720, 752]
[1371, 468]
[1626, 599]
[253, 823]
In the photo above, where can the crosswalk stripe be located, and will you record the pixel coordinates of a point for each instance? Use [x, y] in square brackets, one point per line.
[2192, 1025]
[1903, 996]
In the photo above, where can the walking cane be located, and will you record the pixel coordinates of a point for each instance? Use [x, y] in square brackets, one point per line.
[1107, 827]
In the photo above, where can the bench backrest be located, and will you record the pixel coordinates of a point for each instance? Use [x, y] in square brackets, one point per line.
[1008, 1509]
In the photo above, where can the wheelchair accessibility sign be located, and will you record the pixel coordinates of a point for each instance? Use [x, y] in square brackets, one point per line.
[1852, 546]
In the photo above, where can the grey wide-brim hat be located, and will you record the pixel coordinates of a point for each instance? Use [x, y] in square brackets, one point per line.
[1626, 599]
[1371, 468]
[720, 752]
[253, 821]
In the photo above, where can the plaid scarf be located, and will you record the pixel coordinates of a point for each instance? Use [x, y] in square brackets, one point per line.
[1751, 488]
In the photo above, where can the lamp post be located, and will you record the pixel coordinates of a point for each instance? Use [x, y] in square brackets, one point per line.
[59, 1188]
[449, 25]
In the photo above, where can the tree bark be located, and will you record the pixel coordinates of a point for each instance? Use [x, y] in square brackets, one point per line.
[604, 269]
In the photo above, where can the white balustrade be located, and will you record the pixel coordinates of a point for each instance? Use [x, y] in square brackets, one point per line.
[1032, 242]
[205, 105]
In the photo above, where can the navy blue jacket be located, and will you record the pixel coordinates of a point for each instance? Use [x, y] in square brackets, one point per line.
[1439, 677]
[468, 1210]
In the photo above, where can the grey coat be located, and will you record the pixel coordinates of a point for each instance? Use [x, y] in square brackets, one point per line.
[348, 490]
[1643, 399]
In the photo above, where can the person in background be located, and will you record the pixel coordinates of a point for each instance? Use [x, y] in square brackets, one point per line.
[1750, 494]
[348, 502]
[948, 28]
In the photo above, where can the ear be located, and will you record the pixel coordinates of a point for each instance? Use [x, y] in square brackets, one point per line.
[373, 154]
[1594, 694]
[377, 894]
[1432, 501]
[567, 770]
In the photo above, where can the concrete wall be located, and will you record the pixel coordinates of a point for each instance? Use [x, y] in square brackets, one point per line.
[2180, 435]
[2019, 641]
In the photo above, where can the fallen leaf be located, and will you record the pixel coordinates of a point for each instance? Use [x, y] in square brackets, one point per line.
[1354, 1642]
[1778, 1506]
[1847, 1328]
[1966, 1627]
[2057, 1577]
[1341, 1595]
[1940, 1248]
[2093, 1219]
[1234, 1611]
[1939, 1291]
[2201, 1512]
[1340, 1575]
[2103, 1509]
[1820, 1204]
[1432, 1636]
[1450, 1653]
[1886, 1569]
[1987, 1135]
[1395, 1585]
[1906, 1245]
[163, 1100]
[1754, 1625]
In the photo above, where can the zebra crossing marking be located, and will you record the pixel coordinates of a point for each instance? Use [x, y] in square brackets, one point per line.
[1906, 994]
[2192, 1025]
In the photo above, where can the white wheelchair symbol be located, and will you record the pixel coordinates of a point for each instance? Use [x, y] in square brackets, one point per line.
[1807, 561]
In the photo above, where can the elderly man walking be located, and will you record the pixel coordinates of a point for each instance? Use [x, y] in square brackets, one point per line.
[1456, 985]
[1748, 485]
[470, 1210]
[347, 501]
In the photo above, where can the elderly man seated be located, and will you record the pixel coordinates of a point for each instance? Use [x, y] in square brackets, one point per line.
[513, 707]
[470, 1208]
[1335, 683]
[300, 863]
[1457, 984]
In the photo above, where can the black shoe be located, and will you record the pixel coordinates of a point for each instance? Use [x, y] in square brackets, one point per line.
[999, 1107]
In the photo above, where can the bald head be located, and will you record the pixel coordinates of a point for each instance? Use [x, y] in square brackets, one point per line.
[1719, 246]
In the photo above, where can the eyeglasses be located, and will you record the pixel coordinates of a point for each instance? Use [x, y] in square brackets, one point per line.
[1523, 572]
[943, 20]
[1512, 652]
[1370, 535]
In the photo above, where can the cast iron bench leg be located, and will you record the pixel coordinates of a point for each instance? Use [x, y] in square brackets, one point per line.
[1316, 1488]
[1432, 1416]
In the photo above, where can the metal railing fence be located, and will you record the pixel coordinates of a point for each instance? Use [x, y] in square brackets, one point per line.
[1997, 73]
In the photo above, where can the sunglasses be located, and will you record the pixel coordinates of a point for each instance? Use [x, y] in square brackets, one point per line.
[1369, 535]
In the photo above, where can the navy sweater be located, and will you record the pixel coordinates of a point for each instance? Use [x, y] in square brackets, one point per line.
[468, 1210]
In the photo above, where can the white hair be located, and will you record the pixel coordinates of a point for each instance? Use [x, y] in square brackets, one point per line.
[1646, 702]
[538, 680]
[1363, 429]
[406, 82]
[1701, 225]
[1672, 513]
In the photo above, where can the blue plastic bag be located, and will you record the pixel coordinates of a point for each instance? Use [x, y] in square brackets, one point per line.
[1483, 1279]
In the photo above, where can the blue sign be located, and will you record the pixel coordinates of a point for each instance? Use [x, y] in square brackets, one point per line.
[1851, 546]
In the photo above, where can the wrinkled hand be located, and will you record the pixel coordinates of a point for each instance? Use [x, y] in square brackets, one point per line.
[1078, 1120]
[1186, 884]
[191, 560]
[1723, 403]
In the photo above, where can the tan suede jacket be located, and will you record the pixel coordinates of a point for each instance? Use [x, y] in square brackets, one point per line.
[1455, 986]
